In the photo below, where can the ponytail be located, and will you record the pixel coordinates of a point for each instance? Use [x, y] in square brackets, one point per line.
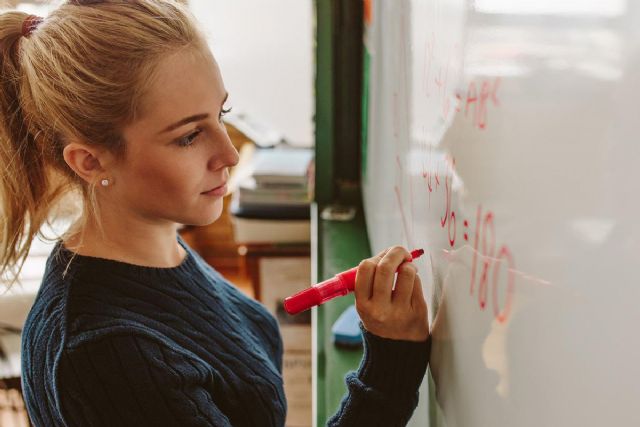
[24, 186]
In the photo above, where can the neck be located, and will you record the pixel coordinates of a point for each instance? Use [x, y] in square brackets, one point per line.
[134, 242]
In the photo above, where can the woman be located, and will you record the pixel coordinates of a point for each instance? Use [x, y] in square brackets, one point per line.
[122, 102]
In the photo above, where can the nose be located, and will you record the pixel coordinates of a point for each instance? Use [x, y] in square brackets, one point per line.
[225, 155]
[233, 156]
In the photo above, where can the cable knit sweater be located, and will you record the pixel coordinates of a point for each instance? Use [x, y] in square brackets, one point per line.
[108, 343]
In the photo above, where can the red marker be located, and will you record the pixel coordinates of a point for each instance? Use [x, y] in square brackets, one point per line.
[341, 284]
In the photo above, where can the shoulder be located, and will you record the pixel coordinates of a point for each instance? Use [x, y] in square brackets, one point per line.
[44, 331]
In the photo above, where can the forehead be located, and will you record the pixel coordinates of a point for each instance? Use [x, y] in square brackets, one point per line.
[185, 83]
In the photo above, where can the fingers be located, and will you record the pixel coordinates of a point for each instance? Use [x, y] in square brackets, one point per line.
[417, 296]
[364, 279]
[404, 284]
[365, 274]
[397, 314]
[385, 273]
[380, 255]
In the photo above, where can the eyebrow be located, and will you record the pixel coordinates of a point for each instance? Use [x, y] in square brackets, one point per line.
[194, 118]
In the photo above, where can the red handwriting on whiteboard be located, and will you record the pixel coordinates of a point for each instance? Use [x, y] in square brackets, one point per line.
[441, 82]
[428, 60]
[477, 99]
[489, 269]
[449, 217]
[487, 264]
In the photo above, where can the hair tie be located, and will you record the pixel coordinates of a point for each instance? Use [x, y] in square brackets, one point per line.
[85, 2]
[30, 23]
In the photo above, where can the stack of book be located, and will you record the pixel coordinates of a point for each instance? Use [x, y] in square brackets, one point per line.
[271, 204]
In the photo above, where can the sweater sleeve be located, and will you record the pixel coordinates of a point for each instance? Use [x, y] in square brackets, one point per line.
[135, 380]
[384, 389]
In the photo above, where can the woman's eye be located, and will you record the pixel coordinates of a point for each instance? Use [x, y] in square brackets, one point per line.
[223, 112]
[188, 140]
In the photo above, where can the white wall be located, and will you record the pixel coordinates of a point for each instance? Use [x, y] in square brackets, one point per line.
[265, 50]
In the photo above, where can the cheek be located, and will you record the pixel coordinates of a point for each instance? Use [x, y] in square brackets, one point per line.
[165, 179]
[170, 188]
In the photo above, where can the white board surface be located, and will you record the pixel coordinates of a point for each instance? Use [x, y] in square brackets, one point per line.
[504, 138]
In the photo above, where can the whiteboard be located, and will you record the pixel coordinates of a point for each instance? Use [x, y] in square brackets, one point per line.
[503, 136]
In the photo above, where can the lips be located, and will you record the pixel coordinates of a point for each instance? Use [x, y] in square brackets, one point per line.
[215, 188]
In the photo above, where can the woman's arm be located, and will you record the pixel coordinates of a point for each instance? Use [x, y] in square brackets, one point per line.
[397, 344]
[384, 389]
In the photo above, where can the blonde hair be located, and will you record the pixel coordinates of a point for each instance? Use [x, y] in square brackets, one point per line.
[81, 74]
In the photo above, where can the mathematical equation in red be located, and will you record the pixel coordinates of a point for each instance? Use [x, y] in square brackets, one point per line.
[488, 256]
[474, 100]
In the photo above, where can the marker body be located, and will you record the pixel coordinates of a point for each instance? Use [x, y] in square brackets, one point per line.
[339, 285]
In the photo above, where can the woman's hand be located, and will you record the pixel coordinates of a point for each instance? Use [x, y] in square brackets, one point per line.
[400, 314]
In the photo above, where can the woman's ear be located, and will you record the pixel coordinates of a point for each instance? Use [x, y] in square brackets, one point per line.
[86, 161]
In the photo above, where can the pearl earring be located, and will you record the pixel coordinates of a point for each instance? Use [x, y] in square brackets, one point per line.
[105, 182]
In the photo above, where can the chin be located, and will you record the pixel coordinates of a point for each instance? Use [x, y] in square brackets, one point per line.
[208, 215]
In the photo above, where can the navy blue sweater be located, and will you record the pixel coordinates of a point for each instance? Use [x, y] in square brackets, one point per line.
[108, 343]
